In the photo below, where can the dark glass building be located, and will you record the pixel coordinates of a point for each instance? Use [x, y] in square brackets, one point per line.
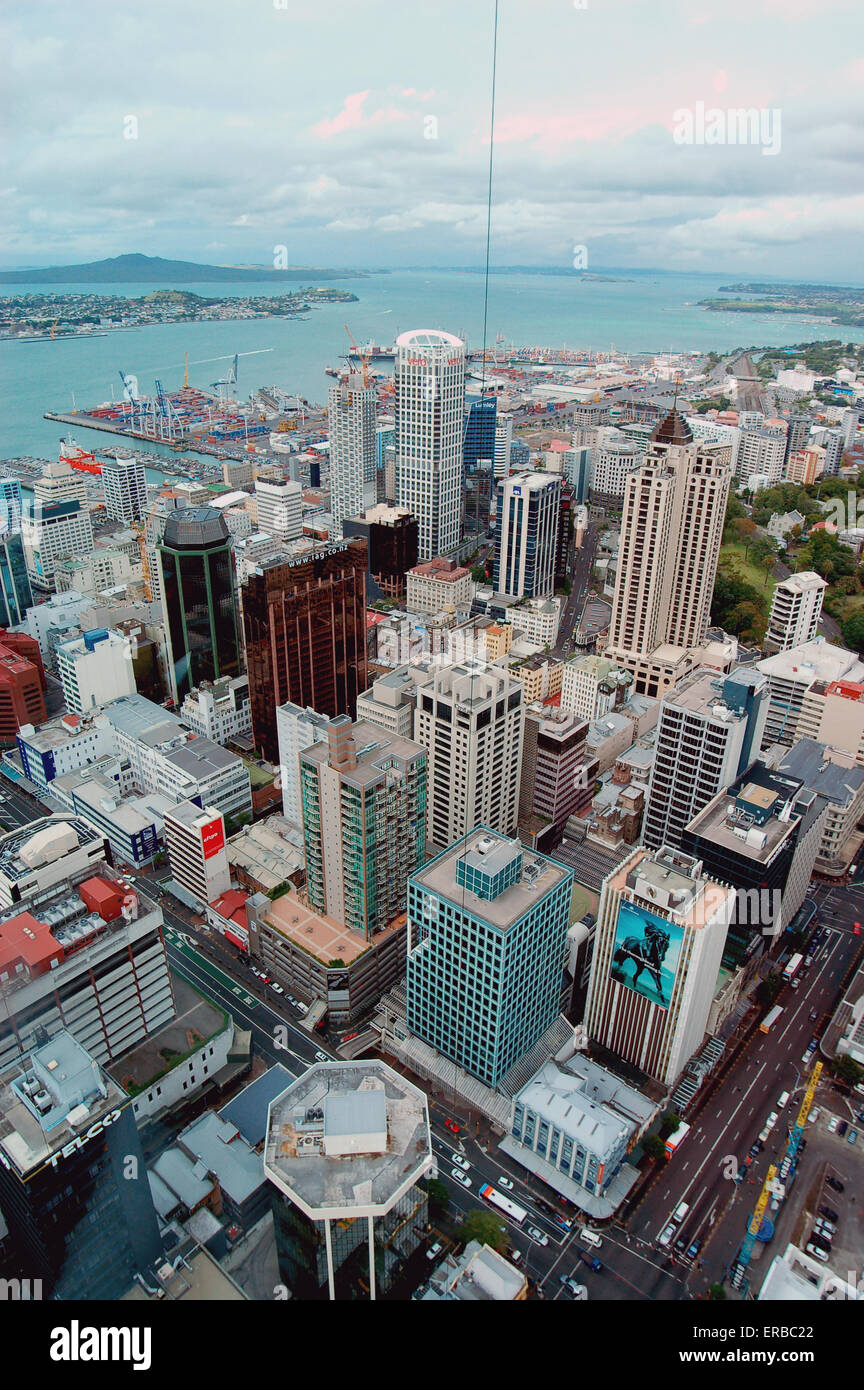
[478, 461]
[16, 596]
[73, 1183]
[391, 534]
[197, 572]
[305, 625]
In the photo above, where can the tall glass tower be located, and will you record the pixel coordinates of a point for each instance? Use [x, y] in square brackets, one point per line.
[197, 576]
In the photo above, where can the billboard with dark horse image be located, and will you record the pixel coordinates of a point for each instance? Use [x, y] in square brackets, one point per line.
[646, 955]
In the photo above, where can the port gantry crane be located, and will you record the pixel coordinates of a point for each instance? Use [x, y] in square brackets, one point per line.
[738, 1270]
[363, 358]
[230, 379]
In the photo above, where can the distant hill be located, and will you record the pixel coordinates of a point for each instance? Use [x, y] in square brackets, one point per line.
[137, 269]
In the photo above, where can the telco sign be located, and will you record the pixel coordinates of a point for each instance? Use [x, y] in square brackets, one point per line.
[78, 1143]
[212, 838]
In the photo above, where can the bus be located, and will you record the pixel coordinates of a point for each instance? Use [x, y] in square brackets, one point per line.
[792, 966]
[677, 1137]
[516, 1213]
[770, 1019]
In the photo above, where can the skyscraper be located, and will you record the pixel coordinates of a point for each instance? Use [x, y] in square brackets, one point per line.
[197, 577]
[57, 522]
[305, 623]
[671, 527]
[10, 504]
[479, 461]
[280, 507]
[429, 422]
[364, 823]
[661, 927]
[16, 595]
[487, 922]
[795, 611]
[351, 423]
[710, 729]
[526, 535]
[469, 718]
[125, 486]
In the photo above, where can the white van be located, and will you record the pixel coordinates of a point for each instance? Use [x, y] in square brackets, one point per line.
[783, 1100]
[591, 1238]
[680, 1213]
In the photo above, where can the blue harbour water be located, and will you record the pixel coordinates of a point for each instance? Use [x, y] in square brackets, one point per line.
[642, 311]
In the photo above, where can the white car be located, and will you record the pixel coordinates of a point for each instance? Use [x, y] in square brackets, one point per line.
[538, 1236]
[460, 1176]
[817, 1253]
[666, 1237]
[321, 1057]
[814, 1115]
[277, 989]
[459, 1161]
[506, 1184]
[434, 1250]
[832, 1124]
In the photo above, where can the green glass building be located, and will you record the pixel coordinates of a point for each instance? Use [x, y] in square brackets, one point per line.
[197, 573]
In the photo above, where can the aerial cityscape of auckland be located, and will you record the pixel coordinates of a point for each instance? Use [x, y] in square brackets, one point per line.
[432, 670]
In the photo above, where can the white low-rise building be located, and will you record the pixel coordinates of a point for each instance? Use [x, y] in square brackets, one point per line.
[219, 709]
[95, 669]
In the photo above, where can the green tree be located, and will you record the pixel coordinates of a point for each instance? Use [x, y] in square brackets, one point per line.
[853, 631]
[717, 1293]
[848, 1070]
[669, 1124]
[485, 1227]
[439, 1196]
[654, 1146]
[478, 574]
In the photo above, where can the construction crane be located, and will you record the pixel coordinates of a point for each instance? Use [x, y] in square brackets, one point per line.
[738, 1271]
[229, 380]
[364, 361]
[798, 1127]
[54, 327]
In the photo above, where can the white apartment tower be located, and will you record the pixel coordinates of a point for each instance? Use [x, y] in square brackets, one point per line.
[125, 486]
[671, 528]
[430, 414]
[280, 508]
[469, 718]
[351, 421]
[526, 535]
[56, 524]
[795, 611]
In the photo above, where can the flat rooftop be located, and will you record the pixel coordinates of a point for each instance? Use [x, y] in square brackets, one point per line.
[538, 877]
[196, 1020]
[133, 715]
[201, 756]
[720, 820]
[11, 864]
[378, 1099]
[323, 937]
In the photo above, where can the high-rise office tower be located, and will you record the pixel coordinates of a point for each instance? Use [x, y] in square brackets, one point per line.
[10, 505]
[469, 719]
[16, 595]
[661, 927]
[505, 446]
[60, 483]
[429, 415]
[197, 578]
[364, 823]
[57, 522]
[558, 776]
[391, 538]
[479, 461]
[125, 486]
[671, 528]
[73, 1181]
[305, 623]
[710, 729]
[487, 923]
[526, 535]
[795, 611]
[351, 422]
[280, 507]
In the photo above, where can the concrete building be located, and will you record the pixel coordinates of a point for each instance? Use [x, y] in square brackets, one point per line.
[305, 623]
[124, 483]
[133, 825]
[195, 840]
[469, 718]
[710, 729]
[95, 669]
[54, 620]
[613, 458]
[487, 923]
[526, 535]
[429, 421]
[280, 508]
[833, 712]
[219, 710]
[63, 745]
[351, 424]
[438, 586]
[839, 780]
[591, 686]
[804, 466]
[761, 835]
[79, 937]
[478, 1275]
[540, 676]
[346, 1146]
[791, 674]
[573, 1125]
[106, 567]
[661, 928]
[22, 685]
[73, 1184]
[795, 611]
[297, 729]
[558, 775]
[390, 702]
[364, 823]
[760, 450]
[671, 529]
[51, 528]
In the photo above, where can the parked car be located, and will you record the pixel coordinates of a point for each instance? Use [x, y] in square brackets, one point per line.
[505, 1183]
[814, 1115]
[813, 1015]
[851, 1136]
[829, 1213]
[832, 1124]
[842, 1128]
[835, 1184]
[816, 1239]
[666, 1235]
[277, 989]
[321, 1057]
[460, 1161]
[694, 1249]
[434, 1250]
[539, 1236]
[460, 1177]
[826, 1228]
[817, 1253]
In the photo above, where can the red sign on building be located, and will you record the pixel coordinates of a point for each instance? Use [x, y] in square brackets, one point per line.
[212, 838]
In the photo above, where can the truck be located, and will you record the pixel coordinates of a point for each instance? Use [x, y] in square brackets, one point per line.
[770, 1019]
[678, 1137]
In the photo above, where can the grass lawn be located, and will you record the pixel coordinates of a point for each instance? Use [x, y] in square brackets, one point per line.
[733, 556]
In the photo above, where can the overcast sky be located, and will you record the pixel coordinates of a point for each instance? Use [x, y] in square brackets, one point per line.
[308, 126]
